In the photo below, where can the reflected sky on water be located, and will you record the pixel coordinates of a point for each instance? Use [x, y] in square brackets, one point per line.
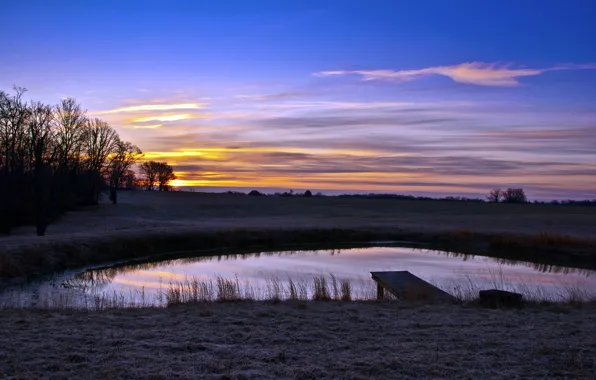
[447, 269]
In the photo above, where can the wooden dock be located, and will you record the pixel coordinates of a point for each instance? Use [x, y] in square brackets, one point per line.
[406, 286]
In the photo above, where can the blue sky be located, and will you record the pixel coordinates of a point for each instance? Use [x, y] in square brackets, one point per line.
[444, 97]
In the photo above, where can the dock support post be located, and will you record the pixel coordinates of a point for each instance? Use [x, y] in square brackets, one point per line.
[380, 292]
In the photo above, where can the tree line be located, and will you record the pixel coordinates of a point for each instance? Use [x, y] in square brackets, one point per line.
[511, 195]
[54, 158]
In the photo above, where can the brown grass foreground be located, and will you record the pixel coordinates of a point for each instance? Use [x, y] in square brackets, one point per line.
[300, 340]
[145, 223]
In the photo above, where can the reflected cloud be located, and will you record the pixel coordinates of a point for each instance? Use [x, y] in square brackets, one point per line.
[138, 283]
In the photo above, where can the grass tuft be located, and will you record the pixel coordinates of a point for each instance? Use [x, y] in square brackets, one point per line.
[346, 290]
[320, 290]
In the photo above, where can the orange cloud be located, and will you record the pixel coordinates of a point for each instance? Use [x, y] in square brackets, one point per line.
[219, 151]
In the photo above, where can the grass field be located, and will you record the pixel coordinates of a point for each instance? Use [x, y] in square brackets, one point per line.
[300, 340]
[141, 210]
[145, 223]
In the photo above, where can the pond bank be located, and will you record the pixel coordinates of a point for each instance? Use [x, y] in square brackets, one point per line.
[149, 223]
[301, 340]
[53, 256]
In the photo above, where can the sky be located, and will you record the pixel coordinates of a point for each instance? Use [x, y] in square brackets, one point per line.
[413, 97]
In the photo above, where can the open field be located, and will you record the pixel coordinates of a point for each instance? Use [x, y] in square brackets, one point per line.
[145, 223]
[301, 340]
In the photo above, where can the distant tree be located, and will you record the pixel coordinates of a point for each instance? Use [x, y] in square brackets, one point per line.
[120, 162]
[165, 175]
[254, 193]
[512, 195]
[495, 195]
[307, 193]
[129, 181]
[149, 172]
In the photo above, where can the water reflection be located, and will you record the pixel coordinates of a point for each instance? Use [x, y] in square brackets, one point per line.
[539, 267]
[354, 263]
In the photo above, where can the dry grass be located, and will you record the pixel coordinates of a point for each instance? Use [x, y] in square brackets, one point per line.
[193, 290]
[300, 340]
[319, 288]
[146, 223]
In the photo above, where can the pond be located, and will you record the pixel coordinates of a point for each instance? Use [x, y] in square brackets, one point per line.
[264, 275]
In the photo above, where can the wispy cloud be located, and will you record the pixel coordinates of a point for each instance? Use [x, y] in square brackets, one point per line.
[274, 96]
[365, 141]
[477, 73]
[144, 126]
[155, 107]
[176, 117]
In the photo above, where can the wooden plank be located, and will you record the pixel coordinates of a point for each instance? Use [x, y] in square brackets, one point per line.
[406, 286]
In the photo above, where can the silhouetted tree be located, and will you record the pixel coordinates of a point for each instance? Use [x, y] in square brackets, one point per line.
[99, 141]
[15, 159]
[52, 158]
[120, 162]
[514, 196]
[149, 172]
[40, 138]
[157, 173]
[14, 115]
[165, 175]
[495, 195]
[307, 193]
[71, 128]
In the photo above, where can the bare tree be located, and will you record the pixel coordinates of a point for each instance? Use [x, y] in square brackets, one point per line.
[149, 171]
[159, 173]
[514, 196]
[495, 195]
[52, 159]
[99, 141]
[14, 114]
[120, 162]
[40, 136]
[40, 133]
[165, 175]
[71, 124]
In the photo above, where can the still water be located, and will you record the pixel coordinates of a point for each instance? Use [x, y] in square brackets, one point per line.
[455, 273]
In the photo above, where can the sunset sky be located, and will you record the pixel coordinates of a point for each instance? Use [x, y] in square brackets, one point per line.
[420, 97]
